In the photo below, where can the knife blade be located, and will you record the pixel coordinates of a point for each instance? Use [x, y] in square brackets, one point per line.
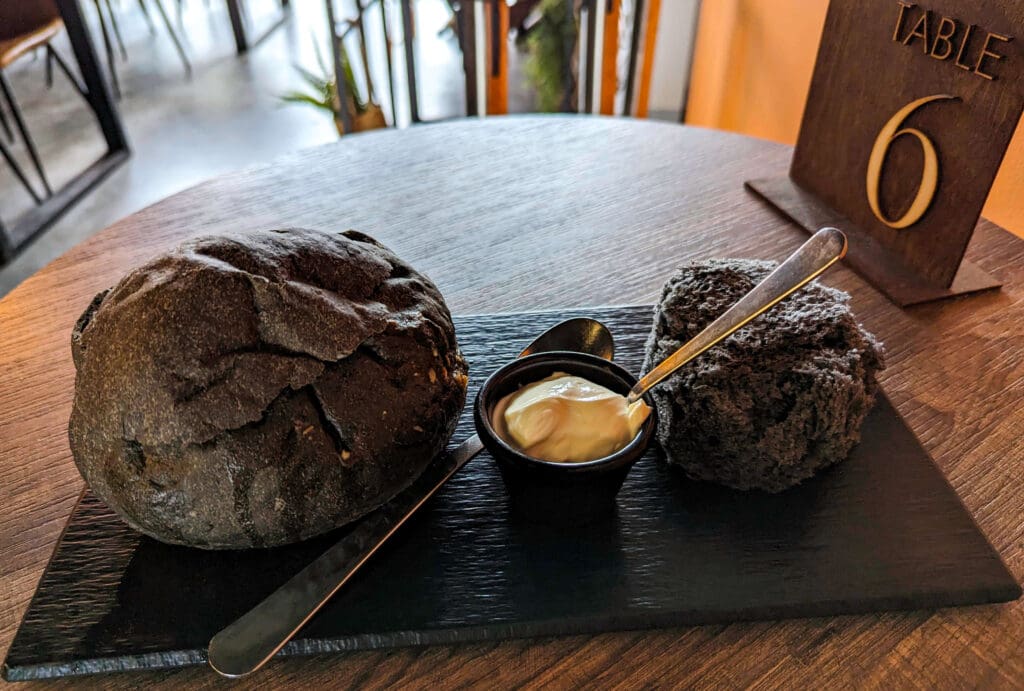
[250, 641]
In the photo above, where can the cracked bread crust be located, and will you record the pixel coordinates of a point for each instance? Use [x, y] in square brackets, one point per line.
[260, 389]
[776, 402]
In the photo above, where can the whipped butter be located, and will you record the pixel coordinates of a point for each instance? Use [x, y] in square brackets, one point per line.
[567, 419]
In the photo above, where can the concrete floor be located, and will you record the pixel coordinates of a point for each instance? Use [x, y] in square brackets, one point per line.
[228, 115]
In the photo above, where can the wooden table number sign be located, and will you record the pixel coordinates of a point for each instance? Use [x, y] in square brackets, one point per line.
[910, 111]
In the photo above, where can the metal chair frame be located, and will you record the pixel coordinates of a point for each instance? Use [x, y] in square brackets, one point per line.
[6, 126]
[18, 172]
[19, 121]
[108, 44]
[12, 104]
[96, 91]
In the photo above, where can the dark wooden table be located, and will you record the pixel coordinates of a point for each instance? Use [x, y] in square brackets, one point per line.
[542, 212]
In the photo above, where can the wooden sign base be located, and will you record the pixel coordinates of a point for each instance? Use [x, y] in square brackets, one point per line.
[866, 256]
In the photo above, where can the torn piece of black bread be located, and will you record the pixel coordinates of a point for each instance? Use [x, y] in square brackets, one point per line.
[778, 400]
[259, 389]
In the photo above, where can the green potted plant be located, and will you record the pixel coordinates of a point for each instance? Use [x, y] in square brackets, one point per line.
[551, 48]
[323, 93]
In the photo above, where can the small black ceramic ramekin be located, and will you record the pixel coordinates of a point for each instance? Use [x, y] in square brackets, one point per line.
[562, 493]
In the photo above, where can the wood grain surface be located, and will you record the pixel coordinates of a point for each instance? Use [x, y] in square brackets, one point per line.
[535, 213]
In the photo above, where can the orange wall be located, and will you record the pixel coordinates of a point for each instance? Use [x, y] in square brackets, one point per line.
[751, 70]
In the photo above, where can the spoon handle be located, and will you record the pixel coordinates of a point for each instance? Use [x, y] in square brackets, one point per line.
[254, 638]
[822, 250]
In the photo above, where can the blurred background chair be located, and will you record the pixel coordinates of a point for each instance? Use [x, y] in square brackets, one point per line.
[18, 172]
[25, 26]
[107, 14]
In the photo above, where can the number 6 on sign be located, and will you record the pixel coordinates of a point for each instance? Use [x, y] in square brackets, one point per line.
[929, 173]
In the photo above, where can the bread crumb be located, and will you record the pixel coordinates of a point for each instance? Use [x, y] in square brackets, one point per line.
[417, 428]
[279, 505]
[433, 376]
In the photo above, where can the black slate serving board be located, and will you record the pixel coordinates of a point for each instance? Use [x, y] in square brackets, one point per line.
[884, 530]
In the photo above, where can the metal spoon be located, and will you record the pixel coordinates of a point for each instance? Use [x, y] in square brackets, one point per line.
[580, 335]
[246, 645]
[821, 251]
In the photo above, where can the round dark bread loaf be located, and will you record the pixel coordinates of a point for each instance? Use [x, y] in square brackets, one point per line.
[259, 389]
[775, 402]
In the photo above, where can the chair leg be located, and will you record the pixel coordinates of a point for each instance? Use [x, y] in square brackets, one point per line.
[19, 173]
[117, 31]
[6, 126]
[148, 16]
[243, 9]
[67, 71]
[5, 87]
[174, 37]
[49, 67]
[111, 63]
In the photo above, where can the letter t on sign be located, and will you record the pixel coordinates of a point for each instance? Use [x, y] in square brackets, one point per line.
[899, 19]
[899, 144]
